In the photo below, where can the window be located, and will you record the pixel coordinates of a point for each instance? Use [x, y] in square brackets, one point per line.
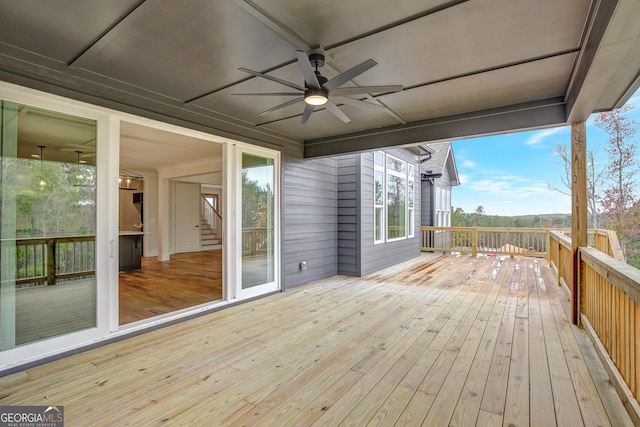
[394, 198]
[411, 201]
[443, 207]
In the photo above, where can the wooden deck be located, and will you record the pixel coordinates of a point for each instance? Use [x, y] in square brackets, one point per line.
[436, 341]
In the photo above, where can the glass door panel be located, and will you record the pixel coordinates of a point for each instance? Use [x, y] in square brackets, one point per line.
[258, 223]
[48, 213]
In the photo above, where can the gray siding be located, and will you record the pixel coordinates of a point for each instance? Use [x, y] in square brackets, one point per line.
[383, 255]
[428, 195]
[427, 203]
[309, 220]
[348, 215]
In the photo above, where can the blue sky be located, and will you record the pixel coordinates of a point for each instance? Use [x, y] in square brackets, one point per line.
[509, 174]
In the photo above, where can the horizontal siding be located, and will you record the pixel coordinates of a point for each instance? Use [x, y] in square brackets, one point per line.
[348, 215]
[309, 220]
[376, 257]
[426, 204]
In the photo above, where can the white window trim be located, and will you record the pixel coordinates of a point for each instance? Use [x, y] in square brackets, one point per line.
[409, 231]
[383, 217]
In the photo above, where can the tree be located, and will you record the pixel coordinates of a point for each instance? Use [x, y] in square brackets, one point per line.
[619, 200]
[477, 220]
[595, 177]
[458, 217]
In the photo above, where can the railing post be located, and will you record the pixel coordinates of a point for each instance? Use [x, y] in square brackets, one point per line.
[474, 243]
[578, 208]
[548, 251]
[51, 261]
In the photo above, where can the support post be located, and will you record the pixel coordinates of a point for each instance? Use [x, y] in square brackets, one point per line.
[474, 242]
[578, 210]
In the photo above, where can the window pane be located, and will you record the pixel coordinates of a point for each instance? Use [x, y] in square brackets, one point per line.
[257, 220]
[379, 190]
[378, 158]
[411, 194]
[396, 207]
[48, 205]
[378, 224]
[396, 165]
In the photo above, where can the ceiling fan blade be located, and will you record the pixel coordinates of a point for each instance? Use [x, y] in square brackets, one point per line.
[310, 77]
[364, 104]
[285, 104]
[308, 109]
[341, 79]
[273, 79]
[333, 109]
[341, 91]
[270, 94]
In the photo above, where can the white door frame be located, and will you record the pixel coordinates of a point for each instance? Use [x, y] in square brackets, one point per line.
[233, 211]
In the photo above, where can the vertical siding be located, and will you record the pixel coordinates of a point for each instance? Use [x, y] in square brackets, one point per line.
[377, 257]
[348, 215]
[309, 220]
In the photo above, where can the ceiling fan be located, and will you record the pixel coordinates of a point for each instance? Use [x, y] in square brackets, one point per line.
[318, 89]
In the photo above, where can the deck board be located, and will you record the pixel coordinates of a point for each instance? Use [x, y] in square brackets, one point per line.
[434, 341]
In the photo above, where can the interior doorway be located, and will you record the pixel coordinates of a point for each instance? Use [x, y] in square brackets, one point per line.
[186, 218]
[173, 169]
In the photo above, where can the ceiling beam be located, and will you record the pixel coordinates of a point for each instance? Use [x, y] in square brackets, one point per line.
[108, 35]
[530, 115]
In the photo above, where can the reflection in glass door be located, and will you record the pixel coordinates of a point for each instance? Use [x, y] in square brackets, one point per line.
[48, 224]
[258, 223]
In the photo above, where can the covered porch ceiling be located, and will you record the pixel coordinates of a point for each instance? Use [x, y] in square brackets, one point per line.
[467, 68]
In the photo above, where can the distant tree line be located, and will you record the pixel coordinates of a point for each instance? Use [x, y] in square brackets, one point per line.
[478, 218]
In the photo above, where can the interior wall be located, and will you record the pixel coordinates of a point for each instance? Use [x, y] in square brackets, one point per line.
[150, 217]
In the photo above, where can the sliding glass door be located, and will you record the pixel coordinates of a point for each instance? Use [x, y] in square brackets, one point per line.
[259, 249]
[48, 212]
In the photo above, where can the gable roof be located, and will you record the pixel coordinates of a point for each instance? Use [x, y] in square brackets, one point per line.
[440, 159]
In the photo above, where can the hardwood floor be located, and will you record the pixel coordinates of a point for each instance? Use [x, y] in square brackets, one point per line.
[160, 287]
[437, 341]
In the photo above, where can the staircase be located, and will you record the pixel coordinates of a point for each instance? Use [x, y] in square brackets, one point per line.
[209, 238]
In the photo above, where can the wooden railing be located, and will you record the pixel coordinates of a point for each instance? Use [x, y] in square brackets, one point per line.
[603, 240]
[498, 241]
[561, 258]
[608, 306]
[211, 216]
[47, 261]
[255, 241]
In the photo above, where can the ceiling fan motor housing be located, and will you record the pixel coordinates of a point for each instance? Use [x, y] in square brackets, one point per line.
[316, 59]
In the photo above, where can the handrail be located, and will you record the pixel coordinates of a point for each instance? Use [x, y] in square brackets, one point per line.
[474, 240]
[608, 306]
[211, 216]
[212, 207]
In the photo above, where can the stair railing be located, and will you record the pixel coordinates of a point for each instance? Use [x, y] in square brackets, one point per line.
[212, 217]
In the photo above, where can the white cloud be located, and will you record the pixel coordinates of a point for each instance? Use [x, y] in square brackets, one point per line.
[468, 164]
[539, 136]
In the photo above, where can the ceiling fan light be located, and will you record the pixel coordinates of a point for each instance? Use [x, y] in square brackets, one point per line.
[315, 97]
